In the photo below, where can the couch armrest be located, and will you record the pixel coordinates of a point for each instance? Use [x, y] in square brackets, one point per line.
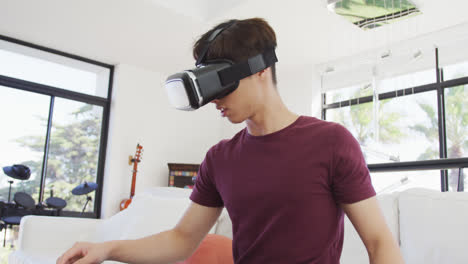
[18, 257]
[46, 236]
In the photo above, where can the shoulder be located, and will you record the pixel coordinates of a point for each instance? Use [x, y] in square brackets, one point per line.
[331, 133]
[323, 127]
[225, 145]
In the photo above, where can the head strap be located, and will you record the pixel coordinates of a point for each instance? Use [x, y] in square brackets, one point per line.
[210, 39]
[251, 66]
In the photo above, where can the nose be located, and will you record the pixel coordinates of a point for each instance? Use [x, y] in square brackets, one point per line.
[215, 101]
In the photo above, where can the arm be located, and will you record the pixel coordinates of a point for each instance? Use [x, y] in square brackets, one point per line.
[374, 232]
[166, 247]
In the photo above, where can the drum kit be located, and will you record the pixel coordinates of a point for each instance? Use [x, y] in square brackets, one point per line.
[24, 200]
[84, 189]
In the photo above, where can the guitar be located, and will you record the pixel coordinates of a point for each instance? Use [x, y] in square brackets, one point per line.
[135, 160]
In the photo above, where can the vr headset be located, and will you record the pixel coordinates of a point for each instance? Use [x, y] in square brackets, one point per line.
[213, 79]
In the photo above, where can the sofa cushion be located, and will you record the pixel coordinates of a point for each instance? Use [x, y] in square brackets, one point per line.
[433, 226]
[153, 215]
[153, 211]
[354, 251]
[214, 249]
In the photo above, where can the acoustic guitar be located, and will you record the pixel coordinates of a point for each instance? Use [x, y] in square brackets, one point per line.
[132, 160]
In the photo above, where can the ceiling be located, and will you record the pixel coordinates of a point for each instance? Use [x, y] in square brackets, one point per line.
[158, 34]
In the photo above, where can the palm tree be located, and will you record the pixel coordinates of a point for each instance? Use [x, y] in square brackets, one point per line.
[361, 120]
[362, 117]
[456, 121]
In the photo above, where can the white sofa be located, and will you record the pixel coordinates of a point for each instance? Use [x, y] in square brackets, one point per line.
[429, 225]
[43, 239]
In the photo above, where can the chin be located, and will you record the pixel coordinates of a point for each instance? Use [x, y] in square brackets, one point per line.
[236, 120]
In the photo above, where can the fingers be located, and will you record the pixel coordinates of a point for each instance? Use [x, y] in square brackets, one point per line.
[73, 254]
[77, 258]
[84, 260]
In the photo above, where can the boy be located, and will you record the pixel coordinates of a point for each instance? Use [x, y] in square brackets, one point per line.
[286, 180]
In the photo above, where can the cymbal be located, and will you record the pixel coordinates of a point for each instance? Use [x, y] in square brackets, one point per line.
[25, 200]
[17, 171]
[55, 202]
[84, 188]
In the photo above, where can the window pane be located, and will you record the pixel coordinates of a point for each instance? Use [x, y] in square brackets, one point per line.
[453, 180]
[349, 93]
[74, 151]
[407, 81]
[456, 121]
[388, 182]
[404, 133]
[411, 132]
[455, 71]
[24, 118]
[358, 119]
[46, 68]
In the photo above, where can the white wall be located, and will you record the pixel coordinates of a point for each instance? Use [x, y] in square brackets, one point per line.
[298, 86]
[140, 113]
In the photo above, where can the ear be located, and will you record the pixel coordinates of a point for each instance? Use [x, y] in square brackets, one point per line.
[263, 74]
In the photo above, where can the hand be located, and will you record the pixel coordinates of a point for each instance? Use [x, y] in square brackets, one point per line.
[85, 253]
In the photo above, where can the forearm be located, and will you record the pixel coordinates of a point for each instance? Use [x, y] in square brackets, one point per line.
[165, 247]
[385, 252]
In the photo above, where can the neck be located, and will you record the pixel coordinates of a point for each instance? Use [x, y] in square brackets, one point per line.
[272, 116]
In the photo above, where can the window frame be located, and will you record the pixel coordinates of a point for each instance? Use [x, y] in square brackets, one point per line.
[54, 92]
[443, 163]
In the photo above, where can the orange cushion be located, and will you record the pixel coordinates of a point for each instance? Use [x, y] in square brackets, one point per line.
[214, 249]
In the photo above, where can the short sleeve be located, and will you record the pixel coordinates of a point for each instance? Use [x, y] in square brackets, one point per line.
[205, 192]
[350, 175]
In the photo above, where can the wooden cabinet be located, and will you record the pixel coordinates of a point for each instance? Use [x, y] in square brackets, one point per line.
[182, 175]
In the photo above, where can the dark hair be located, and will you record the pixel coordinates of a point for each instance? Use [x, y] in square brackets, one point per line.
[240, 41]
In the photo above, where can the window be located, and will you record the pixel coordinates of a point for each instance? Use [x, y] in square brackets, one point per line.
[24, 123]
[456, 111]
[349, 92]
[388, 182]
[408, 133]
[55, 107]
[399, 119]
[74, 150]
[30, 64]
[407, 81]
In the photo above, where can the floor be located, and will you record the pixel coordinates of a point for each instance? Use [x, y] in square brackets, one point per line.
[12, 239]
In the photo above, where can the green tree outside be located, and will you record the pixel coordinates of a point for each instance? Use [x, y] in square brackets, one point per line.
[73, 157]
[362, 117]
[456, 121]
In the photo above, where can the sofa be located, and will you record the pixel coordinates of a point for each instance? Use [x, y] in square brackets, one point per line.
[430, 226]
[43, 239]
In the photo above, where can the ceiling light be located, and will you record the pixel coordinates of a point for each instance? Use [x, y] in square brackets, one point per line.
[417, 54]
[329, 69]
[371, 14]
[386, 54]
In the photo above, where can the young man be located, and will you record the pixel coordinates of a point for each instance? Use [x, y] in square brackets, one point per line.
[286, 180]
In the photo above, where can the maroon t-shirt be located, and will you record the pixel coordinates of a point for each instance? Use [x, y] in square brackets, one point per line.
[283, 190]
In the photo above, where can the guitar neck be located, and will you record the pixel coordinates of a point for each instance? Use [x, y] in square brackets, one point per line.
[132, 191]
[135, 161]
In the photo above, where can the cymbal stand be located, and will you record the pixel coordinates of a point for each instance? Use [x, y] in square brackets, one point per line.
[9, 191]
[88, 199]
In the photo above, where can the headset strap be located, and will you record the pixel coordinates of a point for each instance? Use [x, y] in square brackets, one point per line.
[244, 69]
[210, 39]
